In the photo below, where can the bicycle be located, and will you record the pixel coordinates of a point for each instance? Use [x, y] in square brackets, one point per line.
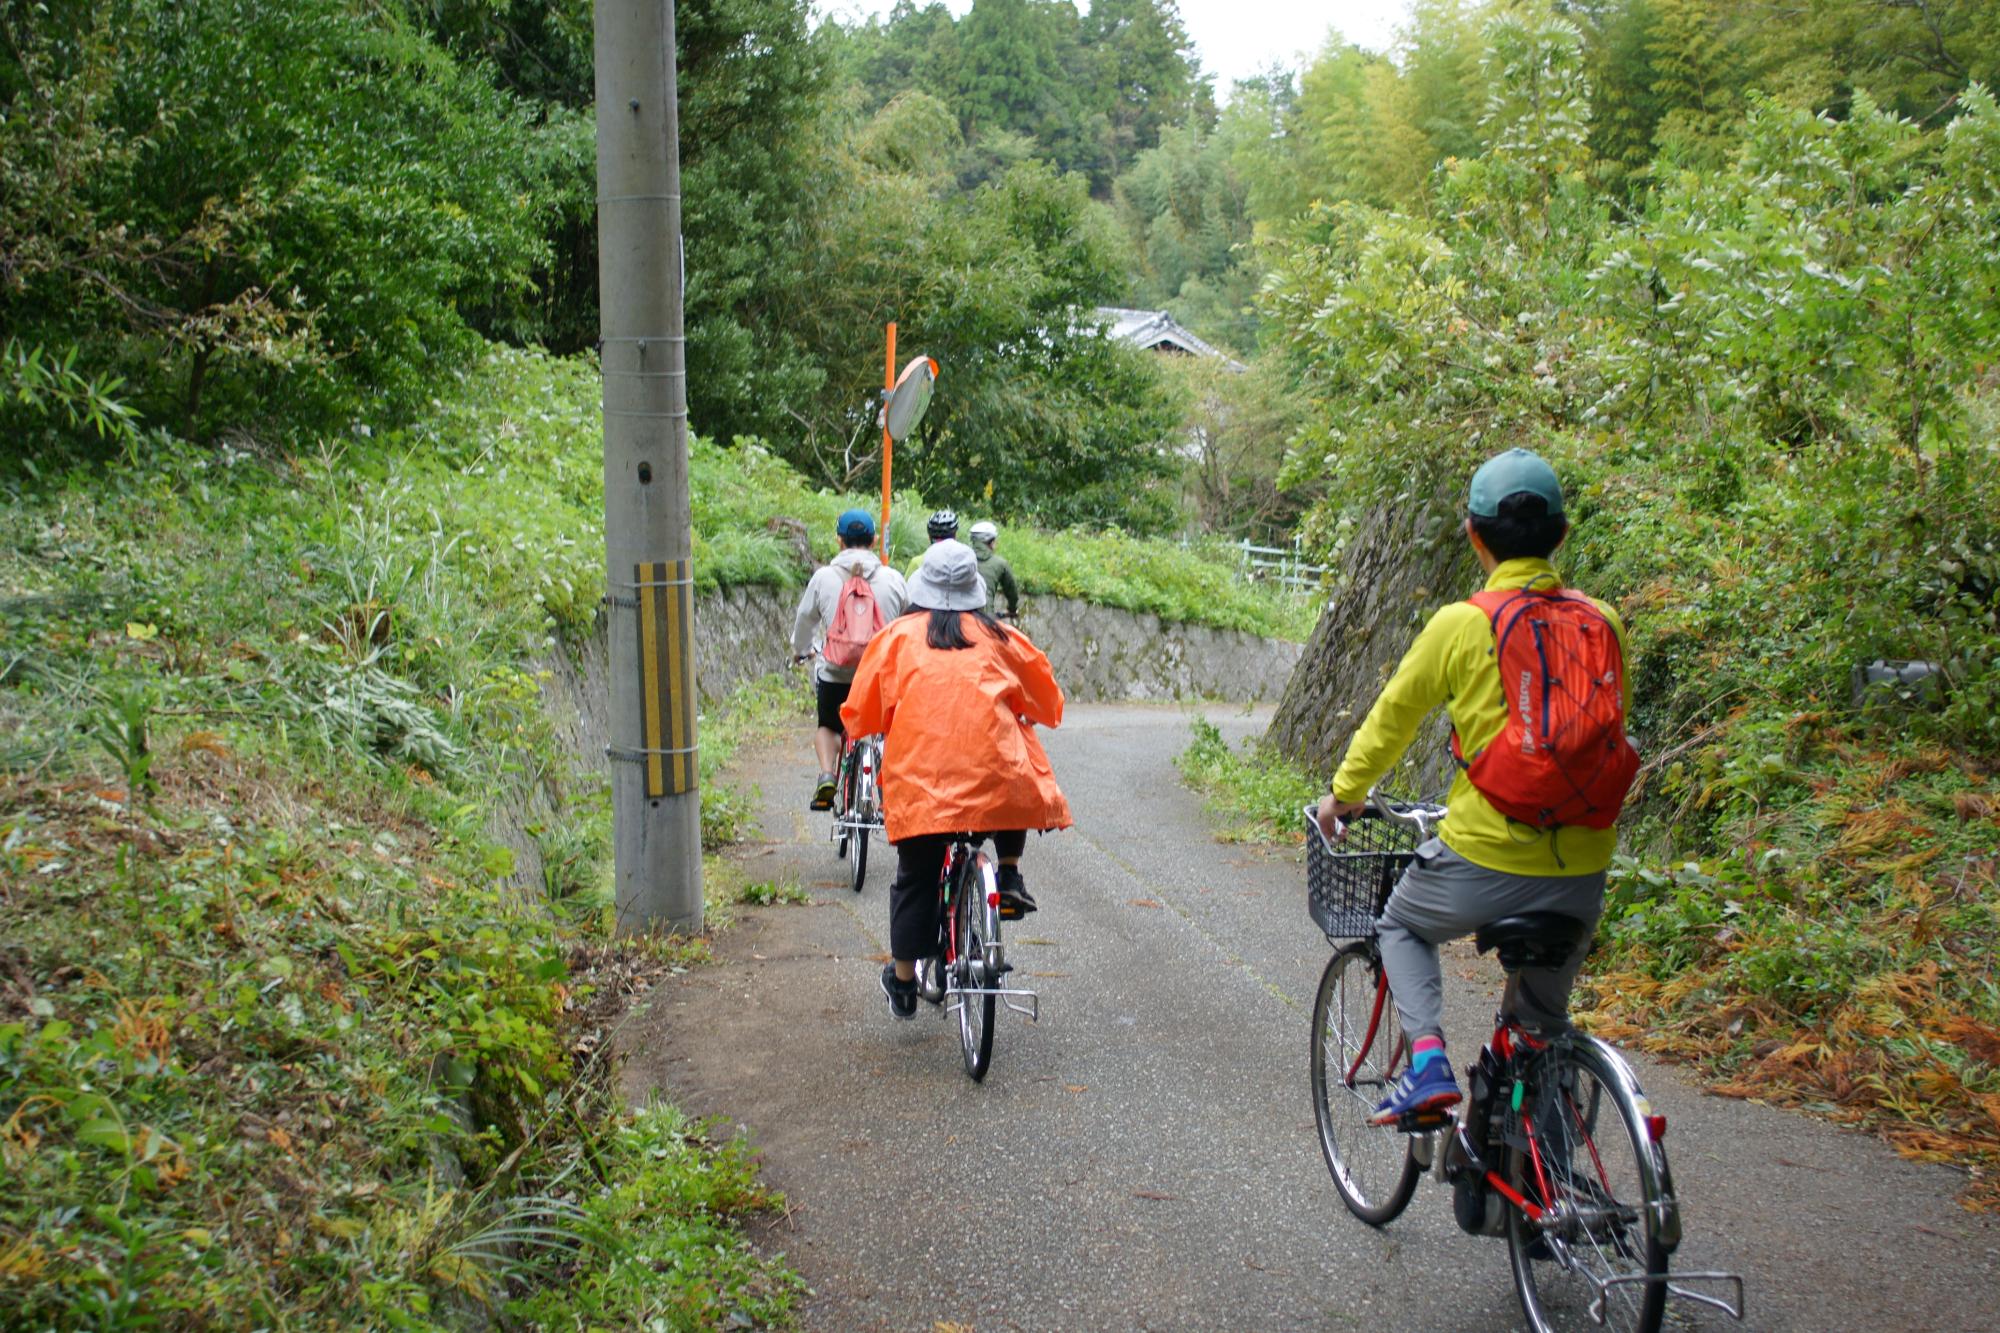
[857, 804]
[857, 797]
[964, 975]
[1555, 1144]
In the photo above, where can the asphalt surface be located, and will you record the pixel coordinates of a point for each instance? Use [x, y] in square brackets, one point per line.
[1144, 1157]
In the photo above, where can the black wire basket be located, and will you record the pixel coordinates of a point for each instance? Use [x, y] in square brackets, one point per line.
[1347, 882]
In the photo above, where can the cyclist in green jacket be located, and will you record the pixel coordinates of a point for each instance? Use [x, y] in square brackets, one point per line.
[1482, 865]
[993, 567]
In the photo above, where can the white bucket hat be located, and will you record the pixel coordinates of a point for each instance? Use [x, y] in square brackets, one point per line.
[948, 579]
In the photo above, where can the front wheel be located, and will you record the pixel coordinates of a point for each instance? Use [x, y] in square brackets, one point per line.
[1594, 1170]
[1357, 1051]
[969, 931]
[857, 865]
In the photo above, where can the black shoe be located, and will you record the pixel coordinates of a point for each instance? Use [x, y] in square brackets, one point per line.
[823, 793]
[902, 995]
[1015, 902]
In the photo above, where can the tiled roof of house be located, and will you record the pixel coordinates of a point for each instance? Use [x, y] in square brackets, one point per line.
[1158, 330]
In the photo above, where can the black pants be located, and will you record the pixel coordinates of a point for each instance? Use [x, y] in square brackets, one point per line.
[913, 898]
[831, 694]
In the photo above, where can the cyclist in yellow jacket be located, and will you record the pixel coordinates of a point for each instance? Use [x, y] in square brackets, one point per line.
[1482, 865]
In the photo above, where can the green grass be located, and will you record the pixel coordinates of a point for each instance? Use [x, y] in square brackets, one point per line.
[1197, 585]
[278, 1046]
[1256, 791]
[526, 415]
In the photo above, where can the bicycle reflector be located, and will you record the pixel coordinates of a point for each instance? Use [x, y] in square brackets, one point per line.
[993, 897]
[1656, 1127]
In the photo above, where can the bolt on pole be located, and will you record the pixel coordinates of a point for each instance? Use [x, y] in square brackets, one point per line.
[656, 806]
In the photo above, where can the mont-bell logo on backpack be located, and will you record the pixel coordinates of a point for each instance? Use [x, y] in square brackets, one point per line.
[1563, 756]
[856, 619]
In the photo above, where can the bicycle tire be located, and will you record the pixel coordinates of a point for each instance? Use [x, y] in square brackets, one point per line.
[859, 807]
[843, 802]
[975, 1012]
[1362, 1158]
[1608, 1215]
[857, 865]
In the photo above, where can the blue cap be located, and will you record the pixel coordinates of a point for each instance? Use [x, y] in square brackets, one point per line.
[1514, 473]
[855, 523]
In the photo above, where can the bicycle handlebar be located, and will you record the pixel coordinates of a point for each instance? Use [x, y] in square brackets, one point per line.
[1423, 816]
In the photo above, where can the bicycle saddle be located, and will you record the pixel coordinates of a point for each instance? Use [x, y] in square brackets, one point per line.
[1531, 939]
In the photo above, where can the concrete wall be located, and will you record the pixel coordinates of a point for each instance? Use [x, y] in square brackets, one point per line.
[1102, 653]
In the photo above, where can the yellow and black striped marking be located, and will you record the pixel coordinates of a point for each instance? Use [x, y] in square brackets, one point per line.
[666, 674]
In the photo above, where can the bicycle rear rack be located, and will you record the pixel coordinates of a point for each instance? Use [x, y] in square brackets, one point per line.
[857, 826]
[954, 997]
[1674, 1290]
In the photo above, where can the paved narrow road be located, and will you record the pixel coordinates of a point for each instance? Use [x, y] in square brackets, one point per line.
[1144, 1157]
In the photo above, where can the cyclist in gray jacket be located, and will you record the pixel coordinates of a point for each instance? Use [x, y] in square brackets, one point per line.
[815, 615]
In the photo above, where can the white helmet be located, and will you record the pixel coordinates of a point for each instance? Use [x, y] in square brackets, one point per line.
[985, 531]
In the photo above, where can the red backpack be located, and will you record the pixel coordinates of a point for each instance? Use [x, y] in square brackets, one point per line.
[856, 619]
[1563, 757]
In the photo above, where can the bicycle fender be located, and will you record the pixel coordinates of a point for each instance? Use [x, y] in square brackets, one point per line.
[1653, 1161]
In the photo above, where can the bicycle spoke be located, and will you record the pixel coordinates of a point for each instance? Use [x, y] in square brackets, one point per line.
[1595, 1242]
[1355, 1052]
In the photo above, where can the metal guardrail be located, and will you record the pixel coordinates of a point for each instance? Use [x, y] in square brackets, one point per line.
[1283, 565]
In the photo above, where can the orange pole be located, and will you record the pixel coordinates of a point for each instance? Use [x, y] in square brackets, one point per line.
[888, 384]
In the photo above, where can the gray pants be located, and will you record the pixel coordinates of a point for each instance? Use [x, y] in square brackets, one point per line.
[1443, 896]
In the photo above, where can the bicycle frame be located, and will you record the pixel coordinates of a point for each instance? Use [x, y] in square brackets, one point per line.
[866, 752]
[961, 858]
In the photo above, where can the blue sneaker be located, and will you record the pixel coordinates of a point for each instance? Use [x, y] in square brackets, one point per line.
[1430, 1089]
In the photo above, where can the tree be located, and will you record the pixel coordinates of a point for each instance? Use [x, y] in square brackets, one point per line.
[1439, 55]
[1023, 68]
[1146, 72]
[1621, 50]
[1698, 81]
[259, 217]
[1187, 213]
[1538, 94]
[1036, 413]
[1912, 56]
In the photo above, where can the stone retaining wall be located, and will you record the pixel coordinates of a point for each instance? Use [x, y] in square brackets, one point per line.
[1103, 653]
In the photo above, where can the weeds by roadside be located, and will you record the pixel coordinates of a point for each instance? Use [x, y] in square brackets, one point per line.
[1258, 794]
[278, 1046]
[269, 1053]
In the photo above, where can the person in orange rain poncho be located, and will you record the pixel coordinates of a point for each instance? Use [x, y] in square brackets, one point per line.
[956, 696]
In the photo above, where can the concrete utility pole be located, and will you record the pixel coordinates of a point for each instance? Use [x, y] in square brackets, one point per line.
[656, 807]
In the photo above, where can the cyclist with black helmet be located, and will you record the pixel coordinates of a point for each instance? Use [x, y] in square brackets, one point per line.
[943, 527]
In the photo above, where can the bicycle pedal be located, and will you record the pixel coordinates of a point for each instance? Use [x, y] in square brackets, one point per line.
[1423, 1122]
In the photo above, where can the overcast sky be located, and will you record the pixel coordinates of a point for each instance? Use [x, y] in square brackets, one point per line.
[1235, 38]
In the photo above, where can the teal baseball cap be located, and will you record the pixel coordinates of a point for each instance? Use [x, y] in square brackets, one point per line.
[855, 523]
[1513, 473]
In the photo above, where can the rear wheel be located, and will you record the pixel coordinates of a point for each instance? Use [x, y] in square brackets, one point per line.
[1356, 1053]
[1595, 1171]
[975, 1012]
